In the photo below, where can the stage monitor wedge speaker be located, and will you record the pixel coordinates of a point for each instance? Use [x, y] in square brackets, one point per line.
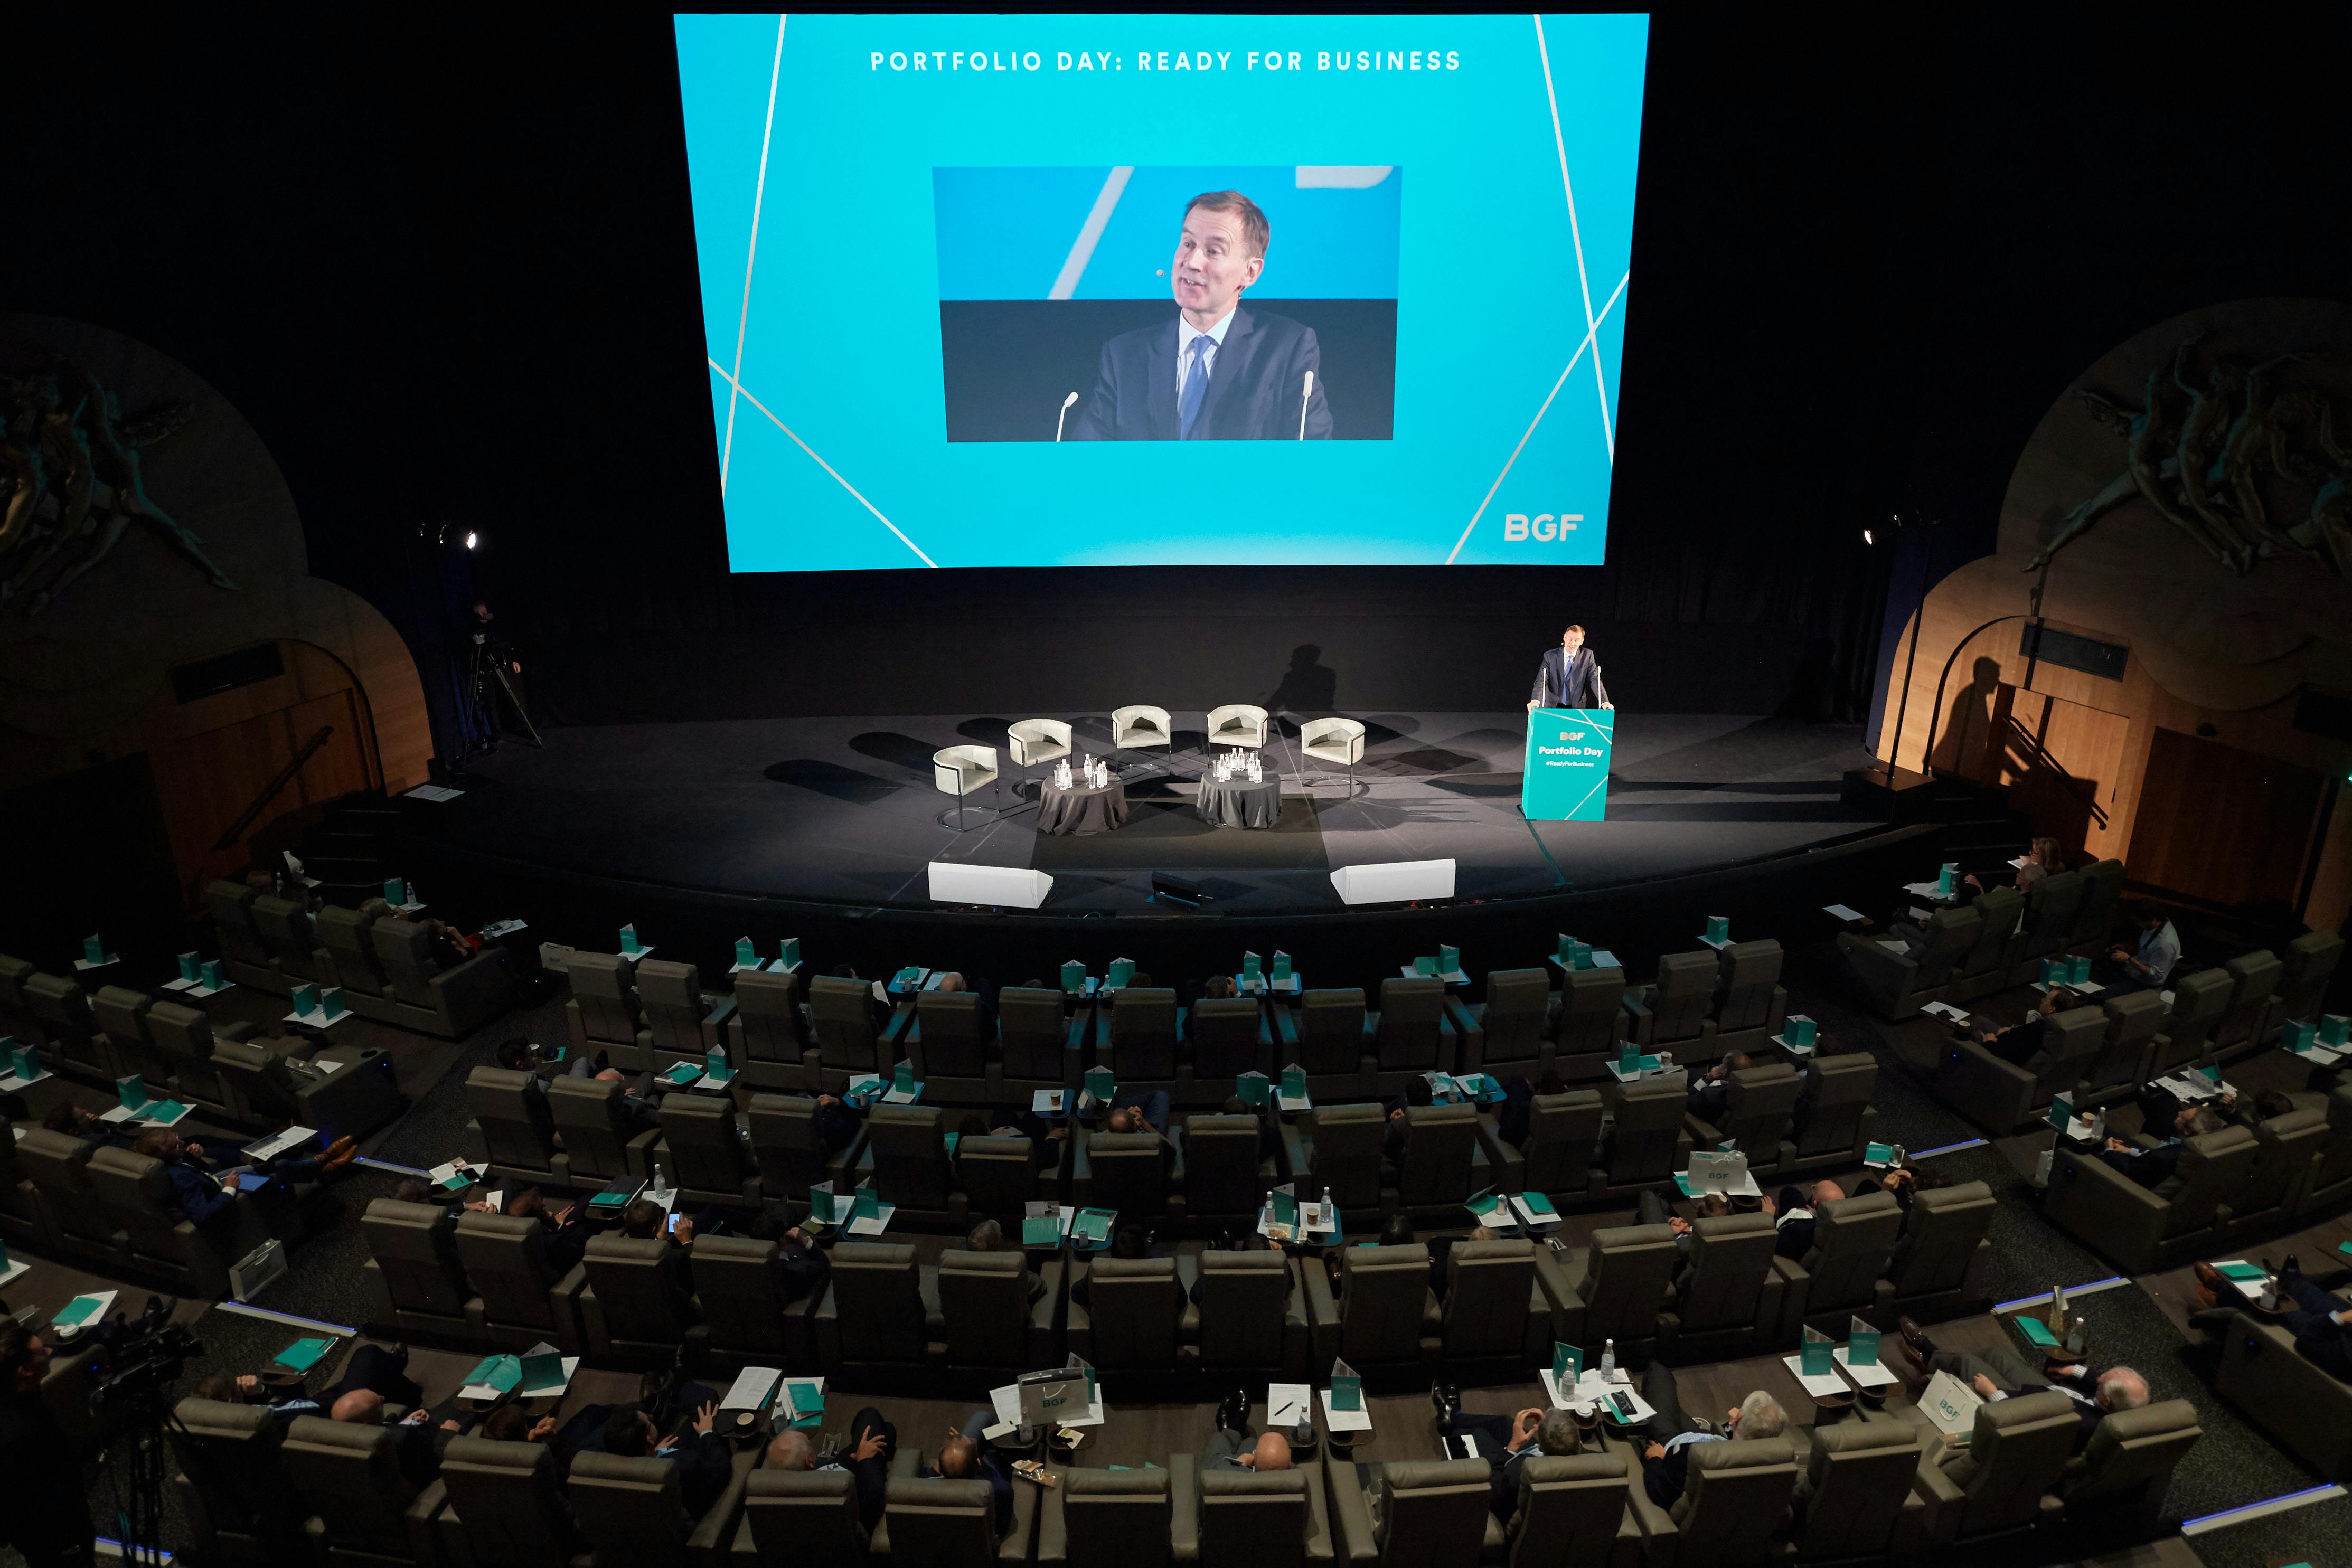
[1007, 887]
[1394, 881]
[1182, 889]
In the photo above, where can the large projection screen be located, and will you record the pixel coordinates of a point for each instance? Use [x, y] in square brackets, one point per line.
[963, 306]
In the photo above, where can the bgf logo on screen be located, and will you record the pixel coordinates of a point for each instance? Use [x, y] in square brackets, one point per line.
[1518, 527]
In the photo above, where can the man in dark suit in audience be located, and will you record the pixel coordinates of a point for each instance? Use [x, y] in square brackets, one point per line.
[873, 1443]
[2018, 1043]
[1505, 1441]
[2322, 1324]
[2151, 1168]
[2000, 1374]
[1416, 1093]
[700, 1454]
[966, 1457]
[1792, 1215]
[644, 1220]
[1711, 1093]
[988, 1236]
[1269, 1131]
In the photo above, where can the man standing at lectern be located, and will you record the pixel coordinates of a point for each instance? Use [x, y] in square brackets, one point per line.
[1569, 676]
[1216, 370]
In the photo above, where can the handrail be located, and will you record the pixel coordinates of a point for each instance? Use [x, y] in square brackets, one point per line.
[270, 791]
[2090, 801]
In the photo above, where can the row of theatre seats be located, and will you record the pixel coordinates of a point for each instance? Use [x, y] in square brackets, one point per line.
[1869, 1488]
[646, 1014]
[228, 1074]
[384, 964]
[487, 1277]
[1995, 942]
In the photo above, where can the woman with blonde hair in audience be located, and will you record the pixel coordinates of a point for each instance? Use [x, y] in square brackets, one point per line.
[2041, 859]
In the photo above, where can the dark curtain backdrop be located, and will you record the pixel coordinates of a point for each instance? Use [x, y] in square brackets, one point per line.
[443, 260]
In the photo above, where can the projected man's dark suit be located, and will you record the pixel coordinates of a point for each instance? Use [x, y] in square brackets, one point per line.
[1255, 384]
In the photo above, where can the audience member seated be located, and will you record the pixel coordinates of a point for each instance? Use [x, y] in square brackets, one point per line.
[1711, 1092]
[1665, 1459]
[2042, 860]
[2017, 1043]
[697, 1450]
[2321, 1322]
[873, 1444]
[2001, 1374]
[1792, 1217]
[376, 1375]
[1504, 1440]
[1234, 1448]
[1416, 1093]
[2151, 1168]
[644, 1220]
[968, 1458]
[2146, 965]
[1653, 1207]
[988, 1236]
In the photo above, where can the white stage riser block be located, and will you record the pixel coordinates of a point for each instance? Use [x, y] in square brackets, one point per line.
[1008, 887]
[1394, 881]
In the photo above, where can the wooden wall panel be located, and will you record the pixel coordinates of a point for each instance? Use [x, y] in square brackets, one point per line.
[2222, 823]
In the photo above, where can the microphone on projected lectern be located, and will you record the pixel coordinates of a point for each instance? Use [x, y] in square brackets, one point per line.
[1068, 403]
[1306, 396]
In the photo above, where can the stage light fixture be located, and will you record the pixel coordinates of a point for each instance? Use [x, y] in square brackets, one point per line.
[1866, 539]
[470, 537]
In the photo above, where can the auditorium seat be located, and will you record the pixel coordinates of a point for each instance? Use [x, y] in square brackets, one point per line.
[1589, 1029]
[1896, 981]
[1224, 1180]
[987, 1318]
[366, 1513]
[1135, 1315]
[1671, 1014]
[682, 1019]
[1575, 1510]
[338, 1089]
[1279, 1521]
[512, 1130]
[1443, 1163]
[998, 1177]
[1858, 1479]
[1418, 1513]
[2120, 1482]
[1835, 1122]
[788, 1143]
[2286, 1149]
[523, 1299]
[136, 1200]
[15, 1010]
[799, 1518]
[1130, 1171]
[2304, 1407]
[1236, 724]
[1493, 1308]
[1228, 1036]
[1339, 1147]
[1749, 1000]
[1759, 1104]
[1140, 726]
[1984, 968]
[599, 1142]
[1614, 1289]
[2253, 1019]
[768, 1035]
[2199, 1002]
[1936, 1268]
[2095, 917]
[184, 1041]
[228, 906]
[739, 1283]
[2047, 926]
[602, 1011]
[630, 1511]
[58, 1164]
[344, 934]
[292, 943]
[1735, 1495]
[907, 1159]
[1041, 1045]
[2145, 1230]
[120, 1015]
[2003, 1096]
[1853, 1239]
[953, 1524]
[873, 1311]
[1387, 1311]
[1119, 1519]
[1259, 1310]
[1730, 1299]
[450, 1003]
[849, 1042]
[2331, 1178]
[704, 1151]
[941, 1036]
[22, 1220]
[2310, 963]
[2120, 1067]
[1557, 1157]
[230, 1479]
[1647, 1141]
[1140, 1026]
[1999, 1484]
[632, 1304]
[1411, 1034]
[1508, 1034]
[413, 1263]
[1327, 1035]
[76, 1045]
[506, 1506]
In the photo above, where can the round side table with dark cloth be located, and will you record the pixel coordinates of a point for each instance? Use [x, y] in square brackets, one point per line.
[1082, 808]
[1238, 803]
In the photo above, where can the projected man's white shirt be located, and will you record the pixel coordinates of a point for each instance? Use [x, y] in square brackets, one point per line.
[1186, 333]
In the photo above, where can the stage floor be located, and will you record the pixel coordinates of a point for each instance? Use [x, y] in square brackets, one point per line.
[842, 810]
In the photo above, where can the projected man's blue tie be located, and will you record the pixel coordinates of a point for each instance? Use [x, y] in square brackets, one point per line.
[1196, 385]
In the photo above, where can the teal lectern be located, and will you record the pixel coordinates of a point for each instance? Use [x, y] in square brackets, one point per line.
[1568, 765]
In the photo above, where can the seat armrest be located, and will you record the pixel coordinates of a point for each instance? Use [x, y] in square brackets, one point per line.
[642, 1150]
[1053, 1526]
[1184, 1510]
[1320, 1545]
[1561, 1278]
[474, 991]
[1323, 1316]
[1660, 1536]
[708, 1545]
[570, 1331]
[1014, 1546]
[1796, 1286]
[1351, 1516]
[827, 1318]
[240, 1031]
[1043, 1310]
[417, 1519]
[1472, 1033]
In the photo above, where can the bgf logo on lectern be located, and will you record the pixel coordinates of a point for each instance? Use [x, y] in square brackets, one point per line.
[1518, 527]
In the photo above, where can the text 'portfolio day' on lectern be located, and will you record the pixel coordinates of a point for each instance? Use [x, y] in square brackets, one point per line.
[1568, 765]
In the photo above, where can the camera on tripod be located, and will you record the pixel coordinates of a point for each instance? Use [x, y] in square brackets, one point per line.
[146, 1364]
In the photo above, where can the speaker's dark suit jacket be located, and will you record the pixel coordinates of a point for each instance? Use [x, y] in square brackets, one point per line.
[1255, 382]
[1577, 686]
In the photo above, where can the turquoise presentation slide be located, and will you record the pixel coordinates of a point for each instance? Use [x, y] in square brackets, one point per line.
[1082, 290]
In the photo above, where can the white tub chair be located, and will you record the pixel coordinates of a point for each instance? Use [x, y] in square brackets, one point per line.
[1132, 728]
[1237, 723]
[1035, 742]
[1334, 740]
[959, 770]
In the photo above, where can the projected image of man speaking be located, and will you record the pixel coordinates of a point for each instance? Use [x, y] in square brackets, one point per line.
[1217, 370]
